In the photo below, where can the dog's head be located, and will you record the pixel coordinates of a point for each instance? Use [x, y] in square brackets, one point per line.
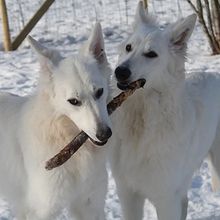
[78, 86]
[153, 53]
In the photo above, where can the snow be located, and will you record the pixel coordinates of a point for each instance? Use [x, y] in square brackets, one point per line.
[65, 26]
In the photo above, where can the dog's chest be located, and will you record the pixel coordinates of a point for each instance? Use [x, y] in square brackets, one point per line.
[148, 139]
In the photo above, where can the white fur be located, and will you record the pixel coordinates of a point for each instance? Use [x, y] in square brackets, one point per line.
[35, 128]
[163, 132]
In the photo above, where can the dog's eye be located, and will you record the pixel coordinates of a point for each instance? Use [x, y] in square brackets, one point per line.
[128, 48]
[74, 102]
[151, 54]
[99, 93]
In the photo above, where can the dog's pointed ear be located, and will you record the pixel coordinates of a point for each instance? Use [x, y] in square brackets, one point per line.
[96, 45]
[142, 17]
[181, 31]
[140, 13]
[47, 57]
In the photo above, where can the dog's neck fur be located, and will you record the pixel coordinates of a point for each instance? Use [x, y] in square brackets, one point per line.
[166, 101]
[169, 95]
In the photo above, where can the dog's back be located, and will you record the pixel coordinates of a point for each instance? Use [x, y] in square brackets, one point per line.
[11, 160]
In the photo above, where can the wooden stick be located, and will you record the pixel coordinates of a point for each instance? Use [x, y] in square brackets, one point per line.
[81, 138]
[31, 24]
[5, 25]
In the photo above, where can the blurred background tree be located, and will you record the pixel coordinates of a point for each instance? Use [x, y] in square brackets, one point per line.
[208, 13]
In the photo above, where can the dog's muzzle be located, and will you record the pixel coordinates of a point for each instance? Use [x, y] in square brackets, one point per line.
[103, 134]
[123, 76]
[123, 86]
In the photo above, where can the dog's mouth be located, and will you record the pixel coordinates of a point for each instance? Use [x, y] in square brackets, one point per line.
[126, 85]
[98, 143]
[123, 86]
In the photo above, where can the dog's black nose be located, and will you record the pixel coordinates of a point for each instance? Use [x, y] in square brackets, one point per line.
[104, 133]
[122, 73]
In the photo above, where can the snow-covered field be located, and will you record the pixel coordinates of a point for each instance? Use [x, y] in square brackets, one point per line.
[65, 27]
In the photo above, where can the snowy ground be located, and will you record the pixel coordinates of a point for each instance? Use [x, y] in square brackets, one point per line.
[65, 27]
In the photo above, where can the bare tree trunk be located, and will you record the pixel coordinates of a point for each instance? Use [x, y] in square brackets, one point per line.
[5, 25]
[145, 4]
[211, 23]
[215, 5]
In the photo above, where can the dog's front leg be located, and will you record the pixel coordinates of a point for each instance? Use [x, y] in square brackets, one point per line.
[132, 203]
[43, 195]
[89, 209]
[172, 208]
[90, 204]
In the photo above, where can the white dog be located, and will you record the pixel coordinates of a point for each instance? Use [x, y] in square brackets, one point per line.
[71, 96]
[163, 132]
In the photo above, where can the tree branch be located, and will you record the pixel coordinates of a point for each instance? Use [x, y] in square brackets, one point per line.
[210, 24]
[192, 6]
[199, 12]
[216, 10]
